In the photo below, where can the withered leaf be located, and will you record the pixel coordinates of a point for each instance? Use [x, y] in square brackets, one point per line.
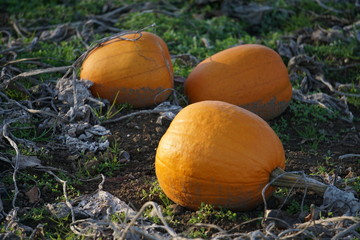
[33, 194]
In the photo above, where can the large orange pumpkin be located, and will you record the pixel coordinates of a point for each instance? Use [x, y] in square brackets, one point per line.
[136, 71]
[251, 76]
[217, 153]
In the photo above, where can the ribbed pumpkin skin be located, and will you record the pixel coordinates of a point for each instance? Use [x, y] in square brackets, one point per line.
[137, 70]
[217, 153]
[251, 76]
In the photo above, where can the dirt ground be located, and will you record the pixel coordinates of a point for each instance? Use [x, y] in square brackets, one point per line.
[139, 136]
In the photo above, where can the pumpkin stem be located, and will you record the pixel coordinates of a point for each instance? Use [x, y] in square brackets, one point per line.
[280, 178]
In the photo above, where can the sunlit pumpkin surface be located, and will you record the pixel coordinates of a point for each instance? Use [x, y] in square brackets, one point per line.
[251, 76]
[217, 153]
[136, 70]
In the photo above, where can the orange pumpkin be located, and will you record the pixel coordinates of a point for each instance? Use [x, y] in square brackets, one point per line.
[251, 76]
[217, 153]
[132, 71]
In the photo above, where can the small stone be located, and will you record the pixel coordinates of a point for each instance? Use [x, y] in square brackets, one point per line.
[136, 138]
[133, 125]
[123, 160]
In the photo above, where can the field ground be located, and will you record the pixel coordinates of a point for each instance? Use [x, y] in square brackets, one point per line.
[320, 130]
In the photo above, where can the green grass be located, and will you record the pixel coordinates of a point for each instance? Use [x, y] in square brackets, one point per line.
[155, 192]
[354, 100]
[58, 228]
[30, 131]
[16, 94]
[311, 135]
[104, 113]
[60, 11]
[185, 35]
[306, 122]
[339, 49]
[207, 212]
[51, 191]
[306, 113]
[355, 184]
[298, 21]
[294, 207]
[280, 126]
[107, 162]
[63, 53]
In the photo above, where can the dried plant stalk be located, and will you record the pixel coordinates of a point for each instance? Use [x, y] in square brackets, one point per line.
[280, 178]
